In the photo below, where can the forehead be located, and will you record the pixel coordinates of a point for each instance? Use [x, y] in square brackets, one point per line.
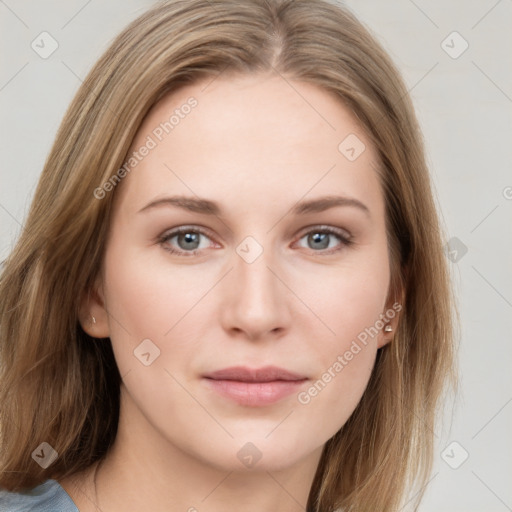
[253, 135]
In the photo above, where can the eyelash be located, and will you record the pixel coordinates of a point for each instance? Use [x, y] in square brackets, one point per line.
[345, 241]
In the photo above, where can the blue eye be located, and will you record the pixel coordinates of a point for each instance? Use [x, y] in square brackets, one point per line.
[320, 238]
[188, 240]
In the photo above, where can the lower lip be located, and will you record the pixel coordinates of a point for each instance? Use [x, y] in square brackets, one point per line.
[255, 393]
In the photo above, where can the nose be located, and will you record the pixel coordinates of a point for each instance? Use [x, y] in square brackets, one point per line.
[256, 301]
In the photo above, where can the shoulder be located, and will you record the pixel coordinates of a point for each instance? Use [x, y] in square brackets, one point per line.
[50, 496]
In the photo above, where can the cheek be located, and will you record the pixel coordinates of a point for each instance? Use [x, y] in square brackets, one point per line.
[348, 300]
[149, 301]
[147, 295]
[351, 306]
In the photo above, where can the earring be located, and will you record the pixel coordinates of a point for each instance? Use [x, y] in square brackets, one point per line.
[388, 328]
[93, 320]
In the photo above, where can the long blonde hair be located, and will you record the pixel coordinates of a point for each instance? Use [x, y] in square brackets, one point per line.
[57, 385]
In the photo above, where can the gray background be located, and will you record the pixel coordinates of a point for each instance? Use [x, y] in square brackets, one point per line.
[464, 106]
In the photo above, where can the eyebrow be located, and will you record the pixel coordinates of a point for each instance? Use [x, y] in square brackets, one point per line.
[208, 207]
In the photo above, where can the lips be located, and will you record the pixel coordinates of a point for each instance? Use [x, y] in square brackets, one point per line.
[244, 374]
[254, 387]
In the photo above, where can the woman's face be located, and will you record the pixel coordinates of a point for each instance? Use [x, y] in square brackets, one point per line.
[254, 281]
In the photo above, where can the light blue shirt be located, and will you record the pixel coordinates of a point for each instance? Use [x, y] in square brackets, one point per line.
[50, 496]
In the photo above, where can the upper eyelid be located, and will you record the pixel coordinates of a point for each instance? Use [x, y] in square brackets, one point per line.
[326, 227]
[205, 230]
[185, 228]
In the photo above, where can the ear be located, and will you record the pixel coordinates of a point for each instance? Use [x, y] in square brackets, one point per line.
[391, 316]
[93, 314]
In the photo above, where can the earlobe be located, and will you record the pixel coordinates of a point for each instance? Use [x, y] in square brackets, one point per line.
[93, 314]
[386, 335]
[391, 318]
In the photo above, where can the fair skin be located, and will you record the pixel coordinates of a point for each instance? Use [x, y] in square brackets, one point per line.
[257, 148]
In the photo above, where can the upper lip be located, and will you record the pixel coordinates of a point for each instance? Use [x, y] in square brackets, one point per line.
[245, 374]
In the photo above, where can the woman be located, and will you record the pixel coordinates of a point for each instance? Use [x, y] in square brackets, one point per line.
[171, 336]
